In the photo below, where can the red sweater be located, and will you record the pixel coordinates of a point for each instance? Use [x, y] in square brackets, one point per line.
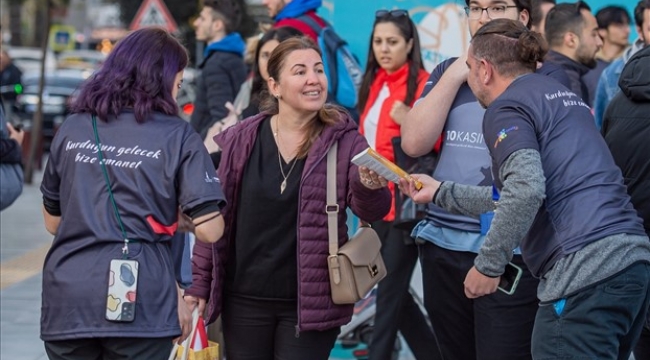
[387, 128]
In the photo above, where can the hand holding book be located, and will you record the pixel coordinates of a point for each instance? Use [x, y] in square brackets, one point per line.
[383, 167]
[371, 179]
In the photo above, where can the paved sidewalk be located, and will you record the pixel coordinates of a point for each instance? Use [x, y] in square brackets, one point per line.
[23, 244]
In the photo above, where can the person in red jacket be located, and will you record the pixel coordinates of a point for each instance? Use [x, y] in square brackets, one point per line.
[393, 79]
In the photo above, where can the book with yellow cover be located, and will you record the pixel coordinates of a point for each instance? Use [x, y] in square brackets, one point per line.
[382, 166]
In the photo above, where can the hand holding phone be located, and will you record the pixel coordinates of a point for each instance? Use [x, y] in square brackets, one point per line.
[510, 279]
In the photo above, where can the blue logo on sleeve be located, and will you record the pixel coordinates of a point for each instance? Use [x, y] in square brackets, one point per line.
[503, 134]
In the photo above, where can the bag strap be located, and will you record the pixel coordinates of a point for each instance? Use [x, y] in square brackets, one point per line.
[332, 207]
[330, 50]
[125, 249]
[309, 21]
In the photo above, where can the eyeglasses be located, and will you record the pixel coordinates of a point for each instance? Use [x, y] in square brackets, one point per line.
[493, 12]
[393, 13]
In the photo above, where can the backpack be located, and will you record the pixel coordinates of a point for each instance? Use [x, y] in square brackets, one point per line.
[342, 68]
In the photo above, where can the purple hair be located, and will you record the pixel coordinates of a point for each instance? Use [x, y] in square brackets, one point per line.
[139, 73]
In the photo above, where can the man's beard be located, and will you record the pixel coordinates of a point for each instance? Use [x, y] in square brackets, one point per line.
[588, 61]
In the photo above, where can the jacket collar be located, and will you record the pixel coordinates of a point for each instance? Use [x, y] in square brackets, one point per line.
[232, 43]
[398, 77]
[567, 62]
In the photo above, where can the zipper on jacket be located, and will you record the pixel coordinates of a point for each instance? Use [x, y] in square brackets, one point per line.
[309, 171]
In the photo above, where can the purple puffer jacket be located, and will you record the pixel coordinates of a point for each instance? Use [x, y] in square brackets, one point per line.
[316, 311]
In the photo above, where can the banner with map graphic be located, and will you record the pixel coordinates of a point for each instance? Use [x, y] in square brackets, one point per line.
[442, 24]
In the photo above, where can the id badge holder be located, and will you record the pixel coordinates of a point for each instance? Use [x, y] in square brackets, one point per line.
[122, 288]
[486, 218]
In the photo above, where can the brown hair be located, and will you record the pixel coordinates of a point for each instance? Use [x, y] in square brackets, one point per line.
[409, 31]
[564, 18]
[509, 46]
[227, 11]
[327, 115]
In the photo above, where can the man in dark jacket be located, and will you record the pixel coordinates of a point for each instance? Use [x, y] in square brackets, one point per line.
[572, 34]
[626, 128]
[223, 69]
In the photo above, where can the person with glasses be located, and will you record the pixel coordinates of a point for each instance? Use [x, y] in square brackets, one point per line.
[394, 76]
[498, 326]
[564, 202]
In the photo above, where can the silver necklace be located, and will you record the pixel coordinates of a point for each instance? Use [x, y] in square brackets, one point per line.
[283, 185]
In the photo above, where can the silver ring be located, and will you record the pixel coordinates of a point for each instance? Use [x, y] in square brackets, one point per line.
[370, 182]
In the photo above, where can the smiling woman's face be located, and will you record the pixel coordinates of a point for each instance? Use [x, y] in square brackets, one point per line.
[302, 84]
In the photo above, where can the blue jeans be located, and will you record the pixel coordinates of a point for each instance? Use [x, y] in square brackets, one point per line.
[603, 321]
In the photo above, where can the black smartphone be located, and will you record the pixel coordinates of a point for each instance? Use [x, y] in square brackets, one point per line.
[18, 126]
[510, 279]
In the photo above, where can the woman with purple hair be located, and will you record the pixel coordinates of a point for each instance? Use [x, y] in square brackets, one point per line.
[120, 167]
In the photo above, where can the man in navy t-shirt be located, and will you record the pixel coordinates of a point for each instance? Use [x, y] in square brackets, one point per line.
[562, 200]
[497, 326]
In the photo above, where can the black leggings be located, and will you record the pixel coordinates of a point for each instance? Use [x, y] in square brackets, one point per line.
[256, 329]
[109, 349]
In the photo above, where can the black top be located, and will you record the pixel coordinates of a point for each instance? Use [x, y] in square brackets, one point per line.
[264, 255]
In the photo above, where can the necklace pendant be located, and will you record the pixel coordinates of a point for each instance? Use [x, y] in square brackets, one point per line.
[283, 186]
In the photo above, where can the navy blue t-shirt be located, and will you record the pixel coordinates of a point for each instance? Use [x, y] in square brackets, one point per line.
[154, 167]
[464, 157]
[585, 196]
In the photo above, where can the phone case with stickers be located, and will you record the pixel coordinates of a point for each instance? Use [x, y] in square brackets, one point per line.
[122, 290]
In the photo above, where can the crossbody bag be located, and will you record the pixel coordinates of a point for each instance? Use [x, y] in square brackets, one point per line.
[356, 267]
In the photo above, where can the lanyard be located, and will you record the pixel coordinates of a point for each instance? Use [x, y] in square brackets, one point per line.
[125, 248]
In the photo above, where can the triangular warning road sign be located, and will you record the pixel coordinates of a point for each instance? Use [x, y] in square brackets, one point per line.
[153, 13]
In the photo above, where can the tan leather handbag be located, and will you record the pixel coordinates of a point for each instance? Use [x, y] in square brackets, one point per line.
[357, 266]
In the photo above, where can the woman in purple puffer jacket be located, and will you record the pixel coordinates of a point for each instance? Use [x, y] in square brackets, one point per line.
[268, 274]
